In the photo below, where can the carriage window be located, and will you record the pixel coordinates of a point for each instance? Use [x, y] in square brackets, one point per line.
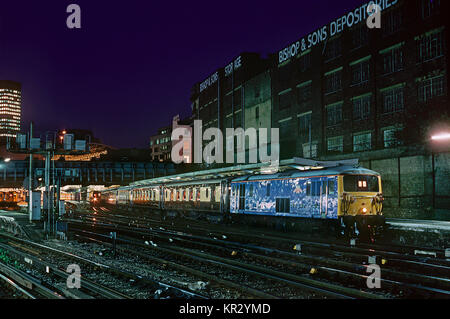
[207, 193]
[268, 190]
[251, 191]
[361, 183]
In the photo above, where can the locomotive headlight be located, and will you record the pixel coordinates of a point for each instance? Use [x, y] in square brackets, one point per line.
[364, 210]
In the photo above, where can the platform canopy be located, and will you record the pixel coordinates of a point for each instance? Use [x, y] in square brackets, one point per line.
[249, 169]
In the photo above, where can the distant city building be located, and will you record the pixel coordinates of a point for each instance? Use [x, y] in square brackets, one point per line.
[186, 126]
[70, 136]
[10, 109]
[161, 143]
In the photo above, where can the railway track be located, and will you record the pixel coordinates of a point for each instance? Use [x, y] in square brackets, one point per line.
[275, 284]
[328, 261]
[16, 284]
[98, 280]
[413, 253]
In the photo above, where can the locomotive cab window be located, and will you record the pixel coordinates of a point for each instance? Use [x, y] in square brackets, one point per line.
[361, 183]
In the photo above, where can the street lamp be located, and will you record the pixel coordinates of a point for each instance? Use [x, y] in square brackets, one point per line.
[441, 137]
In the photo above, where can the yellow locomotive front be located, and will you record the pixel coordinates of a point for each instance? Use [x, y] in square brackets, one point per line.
[361, 203]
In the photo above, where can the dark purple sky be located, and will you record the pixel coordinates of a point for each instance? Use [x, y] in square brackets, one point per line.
[130, 68]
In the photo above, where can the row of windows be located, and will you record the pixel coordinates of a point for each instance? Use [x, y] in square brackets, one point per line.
[191, 194]
[318, 188]
[393, 101]
[363, 141]
[429, 47]
[163, 140]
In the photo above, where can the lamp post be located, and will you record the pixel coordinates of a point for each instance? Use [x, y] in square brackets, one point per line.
[438, 138]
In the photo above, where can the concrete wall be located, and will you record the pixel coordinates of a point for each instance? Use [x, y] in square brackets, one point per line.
[408, 185]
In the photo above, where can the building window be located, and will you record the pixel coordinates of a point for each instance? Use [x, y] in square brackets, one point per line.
[333, 82]
[393, 100]
[360, 36]
[304, 93]
[391, 137]
[335, 144]
[284, 100]
[310, 150]
[305, 62]
[284, 76]
[334, 114]
[392, 21]
[361, 108]
[430, 8]
[430, 46]
[393, 60]
[362, 142]
[360, 72]
[431, 88]
[257, 92]
[285, 129]
[333, 49]
[304, 123]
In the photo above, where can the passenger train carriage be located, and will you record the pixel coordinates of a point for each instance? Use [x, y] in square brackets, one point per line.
[350, 197]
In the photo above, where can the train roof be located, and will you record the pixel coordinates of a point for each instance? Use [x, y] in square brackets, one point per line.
[332, 171]
[295, 164]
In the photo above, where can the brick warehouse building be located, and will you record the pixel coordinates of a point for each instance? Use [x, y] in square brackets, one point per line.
[346, 91]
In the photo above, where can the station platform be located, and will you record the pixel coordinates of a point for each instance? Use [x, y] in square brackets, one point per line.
[418, 225]
[425, 233]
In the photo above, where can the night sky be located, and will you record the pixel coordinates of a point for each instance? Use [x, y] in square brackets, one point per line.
[130, 68]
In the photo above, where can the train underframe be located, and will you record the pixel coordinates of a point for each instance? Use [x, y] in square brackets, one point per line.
[366, 228]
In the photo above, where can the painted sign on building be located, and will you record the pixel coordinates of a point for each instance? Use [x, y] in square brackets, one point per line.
[229, 69]
[360, 14]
